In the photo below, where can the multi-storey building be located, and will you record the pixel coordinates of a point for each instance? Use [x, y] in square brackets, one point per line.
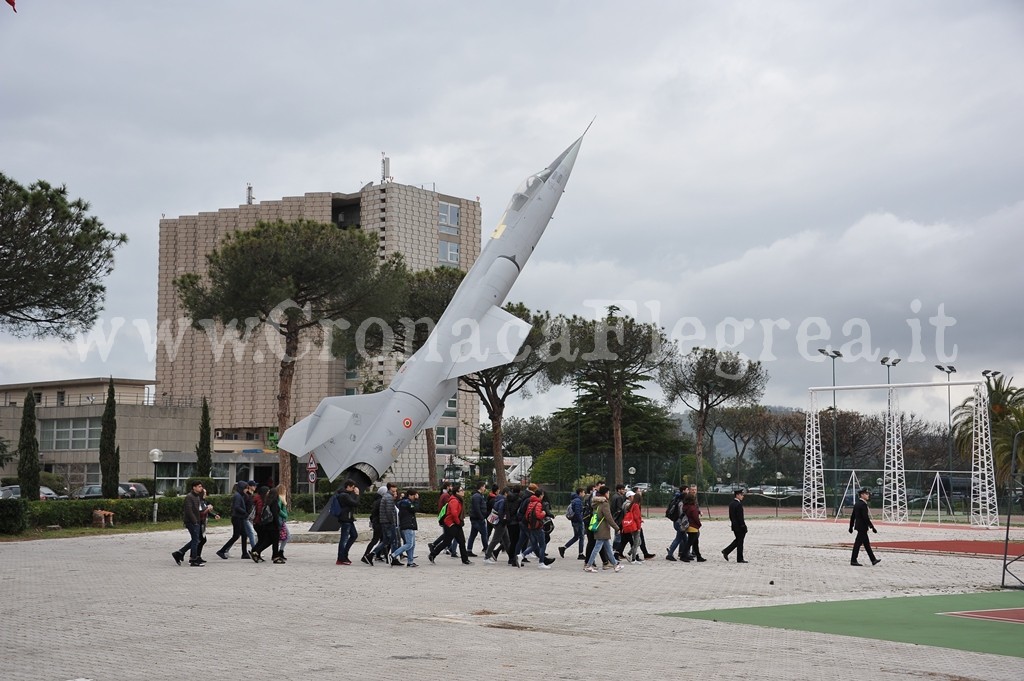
[240, 380]
[69, 417]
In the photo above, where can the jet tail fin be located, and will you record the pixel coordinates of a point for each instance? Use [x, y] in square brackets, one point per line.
[334, 429]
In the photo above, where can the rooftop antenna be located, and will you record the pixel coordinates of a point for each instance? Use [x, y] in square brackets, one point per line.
[249, 198]
[385, 168]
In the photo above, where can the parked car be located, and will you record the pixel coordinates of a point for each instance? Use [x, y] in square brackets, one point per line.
[136, 490]
[642, 487]
[45, 493]
[96, 492]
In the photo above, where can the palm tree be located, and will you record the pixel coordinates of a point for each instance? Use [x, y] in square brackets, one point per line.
[1006, 417]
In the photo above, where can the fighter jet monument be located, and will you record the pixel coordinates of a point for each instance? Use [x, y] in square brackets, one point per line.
[365, 434]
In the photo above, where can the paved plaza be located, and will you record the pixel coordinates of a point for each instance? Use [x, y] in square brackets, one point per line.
[117, 607]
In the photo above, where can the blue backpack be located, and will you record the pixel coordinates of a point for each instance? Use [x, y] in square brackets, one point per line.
[336, 507]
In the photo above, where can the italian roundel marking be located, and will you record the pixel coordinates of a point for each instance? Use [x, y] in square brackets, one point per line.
[407, 422]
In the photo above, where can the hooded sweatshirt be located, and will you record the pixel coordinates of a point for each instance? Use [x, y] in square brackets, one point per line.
[239, 508]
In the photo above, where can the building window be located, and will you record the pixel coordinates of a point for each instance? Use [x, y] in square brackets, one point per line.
[60, 398]
[451, 410]
[69, 434]
[444, 436]
[76, 475]
[448, 252]
[171, 475]
[39, 398]
[351, 367]
[350, 391]
[448, 218]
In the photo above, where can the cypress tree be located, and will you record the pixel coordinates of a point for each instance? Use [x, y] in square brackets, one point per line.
[28, 450]
[204, 455]
[110, 464]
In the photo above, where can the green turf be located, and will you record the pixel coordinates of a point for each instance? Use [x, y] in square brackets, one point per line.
[910, 619]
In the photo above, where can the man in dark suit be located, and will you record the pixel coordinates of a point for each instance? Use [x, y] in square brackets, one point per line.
[739, 527]
[862, 521]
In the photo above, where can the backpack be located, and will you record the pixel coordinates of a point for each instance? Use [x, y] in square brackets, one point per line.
[442, 513]
[568, 511]
[595, 522]
[336, 507]
[672, 512]
[266, 515]
[535, 519]
[588, 508]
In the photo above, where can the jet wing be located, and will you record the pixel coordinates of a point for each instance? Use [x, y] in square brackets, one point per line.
[500, 336]
[451, 385]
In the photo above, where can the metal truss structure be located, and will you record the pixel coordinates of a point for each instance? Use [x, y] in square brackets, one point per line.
[894, 486]
[984, 505]
[814, 474]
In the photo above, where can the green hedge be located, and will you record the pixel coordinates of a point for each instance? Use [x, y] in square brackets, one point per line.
[13, 516]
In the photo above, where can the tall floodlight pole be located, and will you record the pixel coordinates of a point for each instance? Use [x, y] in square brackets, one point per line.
[889, 363]
[834, 354]
[948, 369]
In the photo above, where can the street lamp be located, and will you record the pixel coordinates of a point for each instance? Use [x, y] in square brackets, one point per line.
[156, 456]
[889, 364]
[948, 369]
[833, 355]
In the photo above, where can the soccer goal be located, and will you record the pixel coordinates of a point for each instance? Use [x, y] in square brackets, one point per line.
[984, 507]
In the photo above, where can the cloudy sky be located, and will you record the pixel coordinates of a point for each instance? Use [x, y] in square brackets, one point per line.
[765, 177]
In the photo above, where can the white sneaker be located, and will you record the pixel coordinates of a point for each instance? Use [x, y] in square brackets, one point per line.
[489, 561]
[589, 568]
[542, 566]
[519, 560]
[618, 567]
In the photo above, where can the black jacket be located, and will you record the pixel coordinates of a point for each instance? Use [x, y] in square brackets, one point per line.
[477, 506]
[348, 502]
[859, 519]
[736, 515]
[407, 514]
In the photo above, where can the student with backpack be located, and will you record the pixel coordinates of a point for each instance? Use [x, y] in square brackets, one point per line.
[343, 507]
[499, 528]
[632, 522]
[453, 522]
[680, 523]
[602, 523]
[575, 516]
[375, 527]
[407, 507]
[534, 518]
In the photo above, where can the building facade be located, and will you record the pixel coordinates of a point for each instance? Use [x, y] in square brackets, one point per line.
[240, 379]
[69, 415]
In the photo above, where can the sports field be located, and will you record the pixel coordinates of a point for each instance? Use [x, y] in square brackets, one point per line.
[969, 622]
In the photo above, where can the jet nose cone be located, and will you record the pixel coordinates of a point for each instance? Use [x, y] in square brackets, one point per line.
[566, 159]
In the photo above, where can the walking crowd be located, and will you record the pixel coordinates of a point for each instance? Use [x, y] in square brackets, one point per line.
[258, 517]
[516, 521]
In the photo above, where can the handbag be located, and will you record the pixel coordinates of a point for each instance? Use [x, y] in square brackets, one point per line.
[492, 519]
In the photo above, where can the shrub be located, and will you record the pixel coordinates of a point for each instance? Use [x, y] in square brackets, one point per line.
[13, 516]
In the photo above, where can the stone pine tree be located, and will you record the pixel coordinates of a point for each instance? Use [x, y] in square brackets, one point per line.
[495, 386]
[55, 256]
[204, 454]
[28, 450]
[706, 378]
[110, 459]
[611, 357]
[300, 278]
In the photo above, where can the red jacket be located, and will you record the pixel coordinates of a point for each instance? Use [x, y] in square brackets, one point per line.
[454, 514]
[633, 519]
[534, 514]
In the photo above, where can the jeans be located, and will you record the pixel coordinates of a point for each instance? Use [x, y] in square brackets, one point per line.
[679, 542]
[606, 545]
[478, 527]
[408, 547]
[577, 535]
[347, 538]
[499, 537]
[195, 533]
[250, 532]
[388, 541]
[238, 527]
[538, 541]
